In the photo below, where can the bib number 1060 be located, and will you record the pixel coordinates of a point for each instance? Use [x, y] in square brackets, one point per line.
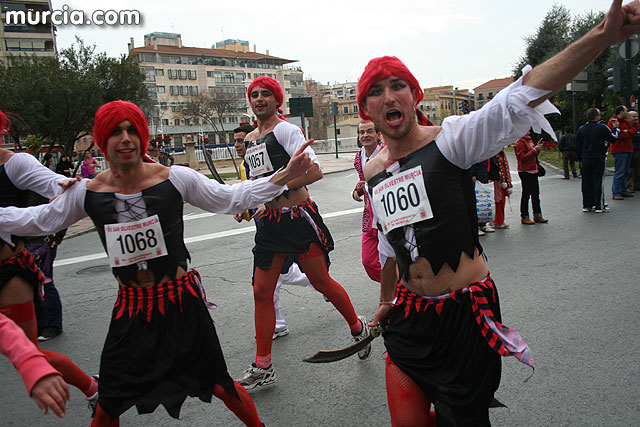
[401, 199]
[130, 243]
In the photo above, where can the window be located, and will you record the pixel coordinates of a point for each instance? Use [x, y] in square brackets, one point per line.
[218, 76]
[165, 122]
[480, 96]
[173, 74]
[183, 74]
[176, 122]
[239, 77]
[345, 109]
[160, 89]
[193, 90]
[159, 72]
[228, 78]
[490, 95]
[182, 90]
[192, 75]
[173, 90]
[210, 74]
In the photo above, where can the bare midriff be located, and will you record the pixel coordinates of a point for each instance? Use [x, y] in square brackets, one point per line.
[294, 198]
[145, 278]
[423, 282]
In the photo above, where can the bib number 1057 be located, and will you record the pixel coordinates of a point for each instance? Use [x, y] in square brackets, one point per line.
[257, 157]
[132, 242]
[401, 200]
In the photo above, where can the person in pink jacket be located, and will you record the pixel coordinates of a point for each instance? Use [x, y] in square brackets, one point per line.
[44, 384]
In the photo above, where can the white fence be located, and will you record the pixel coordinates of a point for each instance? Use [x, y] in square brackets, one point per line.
[320, 147]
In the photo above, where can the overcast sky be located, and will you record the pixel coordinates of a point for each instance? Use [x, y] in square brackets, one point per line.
[463, 42]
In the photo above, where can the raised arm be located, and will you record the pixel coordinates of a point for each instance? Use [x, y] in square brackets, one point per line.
[620, 23]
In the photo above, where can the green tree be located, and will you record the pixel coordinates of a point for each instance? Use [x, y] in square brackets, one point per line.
[58, 97]
[557, 30]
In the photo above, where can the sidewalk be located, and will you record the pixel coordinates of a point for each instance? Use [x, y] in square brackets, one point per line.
[328, 161]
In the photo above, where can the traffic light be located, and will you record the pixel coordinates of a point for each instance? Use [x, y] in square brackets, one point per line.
[461, 106]
[614, 78]
[334, 108]
[465, 107]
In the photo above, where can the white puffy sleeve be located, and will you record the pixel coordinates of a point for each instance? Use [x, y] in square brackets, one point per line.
[210, 195]
[64, 210]
[26, 173]
[471, 138]
[291, 138]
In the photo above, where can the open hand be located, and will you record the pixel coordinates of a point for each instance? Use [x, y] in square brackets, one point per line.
[51, 392]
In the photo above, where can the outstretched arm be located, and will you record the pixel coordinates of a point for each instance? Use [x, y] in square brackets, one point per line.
[620, 23]
[45, 219]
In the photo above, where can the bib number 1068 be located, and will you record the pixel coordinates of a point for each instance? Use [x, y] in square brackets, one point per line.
[130, 243]
[401, 199]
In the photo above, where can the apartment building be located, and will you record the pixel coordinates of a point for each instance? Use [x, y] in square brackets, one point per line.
[443, 101]
[174, 73]
[22, 38]
[486, 91]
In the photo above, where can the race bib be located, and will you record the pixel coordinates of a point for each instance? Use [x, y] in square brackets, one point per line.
[132, 242]
[258, 160]
[401, 200]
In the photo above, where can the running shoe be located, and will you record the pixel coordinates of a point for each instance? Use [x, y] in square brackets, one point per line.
[364, 353]
[280, 333]
[254, 377]
[92, 401]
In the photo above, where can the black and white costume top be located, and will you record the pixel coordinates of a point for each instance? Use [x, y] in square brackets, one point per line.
[445, 163]
[164, 199]
[282, 143]
[23, 173]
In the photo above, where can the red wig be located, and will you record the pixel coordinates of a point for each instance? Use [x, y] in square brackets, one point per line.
[110, 115]
[381, 68]
[268, 83]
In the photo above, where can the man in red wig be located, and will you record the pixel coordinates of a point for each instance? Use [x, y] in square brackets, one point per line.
[444, 335]
[291, 228]
[162, 345]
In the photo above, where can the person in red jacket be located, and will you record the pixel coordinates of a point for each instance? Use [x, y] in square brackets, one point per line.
[44, 384]
[622, 151]
[527, 155]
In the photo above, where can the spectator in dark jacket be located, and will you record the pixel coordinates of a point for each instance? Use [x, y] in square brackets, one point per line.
[592, 141]
[567, 146]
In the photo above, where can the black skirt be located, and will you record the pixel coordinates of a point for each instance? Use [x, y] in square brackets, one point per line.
[161, 347]
[290, 232]
[438, 343]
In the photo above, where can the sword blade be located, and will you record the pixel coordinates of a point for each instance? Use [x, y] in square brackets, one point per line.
[328, 356]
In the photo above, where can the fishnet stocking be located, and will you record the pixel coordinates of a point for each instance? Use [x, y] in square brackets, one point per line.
[408, 405]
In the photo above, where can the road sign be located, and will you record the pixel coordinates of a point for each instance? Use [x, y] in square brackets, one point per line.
[302, 105]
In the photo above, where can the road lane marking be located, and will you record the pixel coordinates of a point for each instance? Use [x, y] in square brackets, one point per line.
[248, 229]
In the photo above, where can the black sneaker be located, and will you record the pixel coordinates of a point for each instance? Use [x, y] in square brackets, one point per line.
[48, 334]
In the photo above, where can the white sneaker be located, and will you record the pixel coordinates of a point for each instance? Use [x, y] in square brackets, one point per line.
[253, 377]
[280, 333]
[364, 353]
[487, 228]
[480, 232]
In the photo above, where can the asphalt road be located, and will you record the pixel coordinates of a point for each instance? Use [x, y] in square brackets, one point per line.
[568, 286]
